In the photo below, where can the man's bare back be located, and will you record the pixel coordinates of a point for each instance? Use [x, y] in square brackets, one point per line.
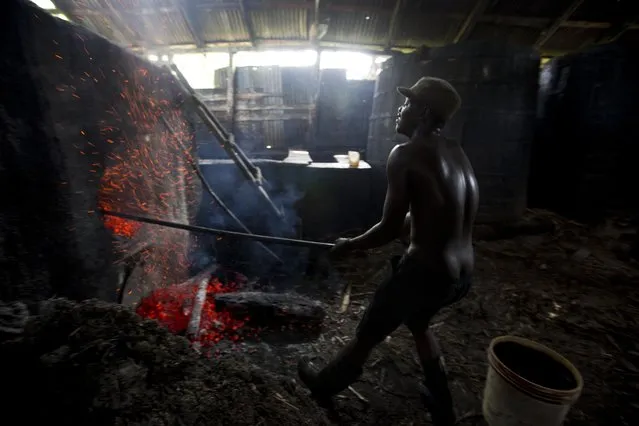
[443, 196]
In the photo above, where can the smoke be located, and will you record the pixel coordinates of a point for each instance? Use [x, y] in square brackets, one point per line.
[243, 199]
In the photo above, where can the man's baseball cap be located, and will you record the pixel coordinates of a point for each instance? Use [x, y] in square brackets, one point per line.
[438, 95]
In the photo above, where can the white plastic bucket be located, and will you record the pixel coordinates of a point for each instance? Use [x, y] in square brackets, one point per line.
[528, 384]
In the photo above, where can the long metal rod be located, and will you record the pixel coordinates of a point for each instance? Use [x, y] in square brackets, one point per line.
[226, 140]
[221, 232]
[212, 193]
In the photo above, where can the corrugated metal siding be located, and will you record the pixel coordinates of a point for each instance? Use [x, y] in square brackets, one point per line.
[354, 27]
[514, 35]
[272, 106]
[572, 39]
[538, 9]
[222, 25]
[267, 80]
[287, 24]
[162, 28]
[414, 30]
[297, 85]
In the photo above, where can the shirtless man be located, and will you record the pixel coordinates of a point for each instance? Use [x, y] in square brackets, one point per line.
[432, 193]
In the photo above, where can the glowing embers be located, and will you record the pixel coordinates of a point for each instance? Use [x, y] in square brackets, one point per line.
[172, 307]
[115, 185]
[147, 164]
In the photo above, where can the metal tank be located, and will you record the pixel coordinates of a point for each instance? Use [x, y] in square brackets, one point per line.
[586, 145]
[498, 86]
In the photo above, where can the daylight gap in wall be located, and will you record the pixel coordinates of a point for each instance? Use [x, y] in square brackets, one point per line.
[199, 68]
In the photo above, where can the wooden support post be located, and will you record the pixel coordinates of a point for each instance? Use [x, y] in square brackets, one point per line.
[471, 20]
[390, 35]
[557, 23]
[247, 22]
[315, 26]
[313, 113]
[315, 44]
[231, 90]
[616, 31]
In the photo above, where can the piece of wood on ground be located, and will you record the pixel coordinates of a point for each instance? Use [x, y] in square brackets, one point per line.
[346, 298]
[272, 309]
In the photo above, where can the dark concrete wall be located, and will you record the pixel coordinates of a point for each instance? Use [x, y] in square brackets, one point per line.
[73, 105]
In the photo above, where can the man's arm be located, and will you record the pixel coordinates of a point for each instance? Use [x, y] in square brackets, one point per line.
[396, 206]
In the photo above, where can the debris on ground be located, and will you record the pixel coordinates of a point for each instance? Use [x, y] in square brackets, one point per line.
[101, 364]
[13, 317]
[555, 281]
[566, 285]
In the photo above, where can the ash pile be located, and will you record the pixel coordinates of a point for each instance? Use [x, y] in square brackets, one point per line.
[101, 364]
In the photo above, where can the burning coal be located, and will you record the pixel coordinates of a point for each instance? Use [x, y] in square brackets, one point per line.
[173, 307]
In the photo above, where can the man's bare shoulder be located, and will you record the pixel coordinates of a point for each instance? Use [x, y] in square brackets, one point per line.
[399, 155]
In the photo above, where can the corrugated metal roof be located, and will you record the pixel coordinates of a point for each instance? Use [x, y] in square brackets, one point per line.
[104, 26]
[358, 27]
[222, 25]
[567, 39]
[432, 7]
[283, 24]
[356, 22]
[514, 35]
[537, 9]
[606, 10]
[129, 5]
[372, 4]
[416, 30]
[162, 28]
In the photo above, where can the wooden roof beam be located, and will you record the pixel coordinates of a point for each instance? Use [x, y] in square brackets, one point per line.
[624, 17]
[471, 20]
[390, 35]
[315, 25]
[247, 21]
[557, 23]
[187, 15]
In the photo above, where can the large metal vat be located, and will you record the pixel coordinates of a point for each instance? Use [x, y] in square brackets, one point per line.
[586, 145]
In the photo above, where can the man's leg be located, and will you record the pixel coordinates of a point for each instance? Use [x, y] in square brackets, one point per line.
[383, 316]
[435, 393]
[341, 371]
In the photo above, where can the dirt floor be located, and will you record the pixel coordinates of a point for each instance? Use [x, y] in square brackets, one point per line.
[571, 287]
[568, 286]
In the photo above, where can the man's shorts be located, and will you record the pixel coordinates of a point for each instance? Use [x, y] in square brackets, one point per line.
[411, 295]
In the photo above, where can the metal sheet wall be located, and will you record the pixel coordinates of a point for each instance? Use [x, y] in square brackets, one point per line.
[498, 86]
[274, 107]
[585, 148]
[344, 107]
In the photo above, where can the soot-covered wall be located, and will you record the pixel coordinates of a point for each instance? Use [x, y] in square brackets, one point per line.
[83, 126]
[586, 146]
